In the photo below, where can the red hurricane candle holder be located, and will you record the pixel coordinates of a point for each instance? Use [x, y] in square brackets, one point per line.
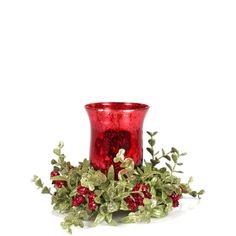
[115, 125]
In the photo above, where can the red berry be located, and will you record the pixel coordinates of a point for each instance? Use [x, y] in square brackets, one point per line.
[91, 196]
[59, 183]
[137, 187]
[82, 190]
[175, 203]
[80, 199]
[54, 173]
[147, 194]
[145, 188]
[133, 206]
[138, 199]
[74, 202]
[129, 199]
[175, 199]
[92, 205]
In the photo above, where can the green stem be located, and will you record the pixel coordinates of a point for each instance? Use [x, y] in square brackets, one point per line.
[171, 173]
[164, 155]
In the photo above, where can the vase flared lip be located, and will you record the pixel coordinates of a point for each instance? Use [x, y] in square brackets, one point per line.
[116, 106]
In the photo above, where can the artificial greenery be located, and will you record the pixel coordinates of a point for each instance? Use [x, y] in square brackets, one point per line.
[149, 191]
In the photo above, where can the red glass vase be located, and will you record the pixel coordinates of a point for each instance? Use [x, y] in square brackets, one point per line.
[115, 125]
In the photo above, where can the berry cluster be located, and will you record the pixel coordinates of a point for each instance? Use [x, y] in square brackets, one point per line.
[57, 183]
[82, 193]
[135, 200]
[175, 199]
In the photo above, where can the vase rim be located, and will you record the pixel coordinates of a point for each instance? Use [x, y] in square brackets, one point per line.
[116, 106]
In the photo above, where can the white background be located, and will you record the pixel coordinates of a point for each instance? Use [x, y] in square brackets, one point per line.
[177, 56]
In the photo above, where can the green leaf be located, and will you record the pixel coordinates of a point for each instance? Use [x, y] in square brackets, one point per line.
[167, 157]
[111, 192]
[183, 154]
[163, 170]
[121, 174]
[201, 192]
[90, 186]
[174, 157]
[158, 213]
[151, 142]
[53, 162]
[63, 206]
[98, 178]
[123, 206]
[108, 218]
[169, 166]
[97, 200]
[163, 152]
[139, 171]
[80, 223]
[154, 180]
[173, 149]
[113, 223]
[112, 207]
[131, 218]
[111, 173]
[73, 193]
[121, 153]
[147, 201]
[190, 180]
[150, 150]
[46, 190]
[98, 219]
[154, 133]
[194, 194]
[38, 181]
[128, 164]
[155, 161]
[163, 196]
[57, 151]
[117, 159]
[122, 195]
[103, 209]
[179, 171]
[98, 192]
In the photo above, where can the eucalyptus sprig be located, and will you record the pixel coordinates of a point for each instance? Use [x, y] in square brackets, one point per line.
[149, 191]
[38, 182]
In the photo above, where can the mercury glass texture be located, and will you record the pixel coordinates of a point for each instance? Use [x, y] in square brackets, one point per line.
[115, 125]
